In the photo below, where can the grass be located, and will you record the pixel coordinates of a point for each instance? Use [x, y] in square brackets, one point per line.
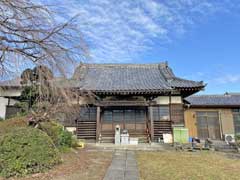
[186, 165]
[76, 165]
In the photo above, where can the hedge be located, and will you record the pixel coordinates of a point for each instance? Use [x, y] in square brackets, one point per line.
[25, 151]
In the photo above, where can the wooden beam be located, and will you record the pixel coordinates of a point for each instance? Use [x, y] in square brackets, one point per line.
[98, 123]
[150, 111]
[170, 106]
[121, 103]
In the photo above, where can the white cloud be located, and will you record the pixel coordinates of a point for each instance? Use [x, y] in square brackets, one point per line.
[216, 76]
[228, 78]
[120, 30]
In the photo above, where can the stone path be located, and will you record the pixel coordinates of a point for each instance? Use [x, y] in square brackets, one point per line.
[123, 166]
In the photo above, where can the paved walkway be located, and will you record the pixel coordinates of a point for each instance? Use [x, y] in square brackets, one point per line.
[123, 166]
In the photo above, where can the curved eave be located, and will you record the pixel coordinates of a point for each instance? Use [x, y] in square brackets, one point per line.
[190, 88]
[188, 91]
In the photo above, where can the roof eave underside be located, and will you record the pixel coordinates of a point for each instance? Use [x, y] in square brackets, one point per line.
[143, 92]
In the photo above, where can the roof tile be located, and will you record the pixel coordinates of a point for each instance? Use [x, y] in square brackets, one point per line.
[130, 77]
[215, 100]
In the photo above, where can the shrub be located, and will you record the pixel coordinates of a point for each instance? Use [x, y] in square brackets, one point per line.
[26, 150]
[52, 129]
[8, 124]
[65, 138]
[23, 106]
[237, 139]
[60, 137]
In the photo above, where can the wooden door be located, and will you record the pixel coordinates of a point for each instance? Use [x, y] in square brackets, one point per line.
[132, 119]
[118, 118]
[208, 125]
[107, 121]
[202, 126]
[141, 120]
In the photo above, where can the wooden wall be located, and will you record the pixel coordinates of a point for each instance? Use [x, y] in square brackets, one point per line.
[226, 117]
[226, 120]
[190, 122]
[177, 113]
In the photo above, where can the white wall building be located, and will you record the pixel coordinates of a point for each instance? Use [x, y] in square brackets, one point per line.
[9, 90]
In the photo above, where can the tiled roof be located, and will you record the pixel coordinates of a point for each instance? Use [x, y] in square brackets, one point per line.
[11, 83]
[214, 100]
[130, 78]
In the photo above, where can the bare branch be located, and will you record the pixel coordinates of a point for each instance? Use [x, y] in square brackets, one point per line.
[30, 32]
[30, 35]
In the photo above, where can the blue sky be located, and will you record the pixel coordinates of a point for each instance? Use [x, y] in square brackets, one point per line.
[200, 39]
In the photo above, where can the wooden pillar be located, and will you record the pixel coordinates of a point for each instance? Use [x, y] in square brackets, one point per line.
[98, 123]
[170, 108]
[9, 101]
[150, 111]
[220, 124]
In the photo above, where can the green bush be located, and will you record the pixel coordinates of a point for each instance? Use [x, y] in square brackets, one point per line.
[65, 138]
[237, 139]
[60, 137]
[52, 129]
[75, 141]
[24, 108]
[25, 151]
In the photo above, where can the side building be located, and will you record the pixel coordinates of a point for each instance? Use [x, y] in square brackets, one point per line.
[9, 93]
[213, 116]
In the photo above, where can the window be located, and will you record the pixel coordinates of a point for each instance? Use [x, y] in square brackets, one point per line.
[140, 116]
[236, 110]
[160, 113]
[88, 113]
[118, 116]
[237, 123]
[177, 113]
[236, 119]
[208, 124]
[92, 114]
[129, 116]
[164, 112]
[107, 116]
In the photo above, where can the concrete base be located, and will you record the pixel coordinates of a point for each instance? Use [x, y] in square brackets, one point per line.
[139, 147]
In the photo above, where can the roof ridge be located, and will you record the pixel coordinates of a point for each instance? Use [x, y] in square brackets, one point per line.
[132, 65]
[210, 95]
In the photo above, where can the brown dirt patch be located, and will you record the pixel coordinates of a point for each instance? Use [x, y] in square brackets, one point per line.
[77, 164]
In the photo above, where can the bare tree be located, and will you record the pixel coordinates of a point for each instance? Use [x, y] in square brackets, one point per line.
[30, 33]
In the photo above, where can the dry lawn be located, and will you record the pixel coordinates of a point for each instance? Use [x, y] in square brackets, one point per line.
[186, 165]
[77, 165]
